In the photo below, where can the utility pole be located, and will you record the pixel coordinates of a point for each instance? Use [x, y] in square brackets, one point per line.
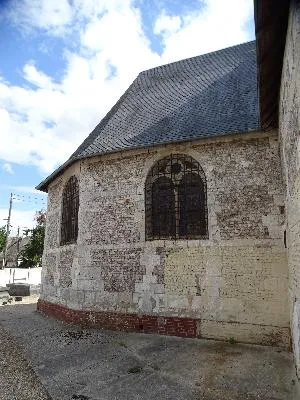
[18, 247]
[7, 229]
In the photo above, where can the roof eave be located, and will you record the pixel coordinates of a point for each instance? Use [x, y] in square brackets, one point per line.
[271, 20]
[43, 186]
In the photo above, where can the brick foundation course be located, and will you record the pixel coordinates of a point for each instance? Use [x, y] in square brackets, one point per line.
[172, 326]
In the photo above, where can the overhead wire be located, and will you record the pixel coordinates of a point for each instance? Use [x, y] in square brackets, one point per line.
[40, 200]
[30, 199]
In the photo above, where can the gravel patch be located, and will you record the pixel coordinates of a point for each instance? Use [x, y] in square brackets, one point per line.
[18, 381]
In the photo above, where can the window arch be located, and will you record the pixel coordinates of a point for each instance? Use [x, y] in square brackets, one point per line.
[69, 218]
[175, 199]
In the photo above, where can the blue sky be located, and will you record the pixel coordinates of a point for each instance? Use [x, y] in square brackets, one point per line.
[64, 63]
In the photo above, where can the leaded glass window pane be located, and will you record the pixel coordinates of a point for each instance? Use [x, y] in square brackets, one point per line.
[69, 218]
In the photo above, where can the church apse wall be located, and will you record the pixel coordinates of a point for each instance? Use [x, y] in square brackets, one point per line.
[231, 281]
[289, 121]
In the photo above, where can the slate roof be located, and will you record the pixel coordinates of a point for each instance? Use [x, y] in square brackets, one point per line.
[210, 95]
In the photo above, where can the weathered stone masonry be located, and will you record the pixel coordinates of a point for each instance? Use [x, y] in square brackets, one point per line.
[232, 285]
[289, 120]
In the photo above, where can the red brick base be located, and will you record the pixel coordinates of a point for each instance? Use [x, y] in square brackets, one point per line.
[174, 326]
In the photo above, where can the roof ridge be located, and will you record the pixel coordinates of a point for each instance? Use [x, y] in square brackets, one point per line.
[167, 66]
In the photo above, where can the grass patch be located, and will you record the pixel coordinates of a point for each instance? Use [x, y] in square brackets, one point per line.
[135, 370]
[122, 344]
[232, 340]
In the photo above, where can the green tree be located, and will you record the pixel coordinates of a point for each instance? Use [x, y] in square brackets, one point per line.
[31, 256]
[2, 238]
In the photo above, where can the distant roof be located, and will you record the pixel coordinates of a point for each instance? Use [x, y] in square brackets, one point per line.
[210, 95]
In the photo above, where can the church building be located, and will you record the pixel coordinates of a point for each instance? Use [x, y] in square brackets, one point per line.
[180, 213]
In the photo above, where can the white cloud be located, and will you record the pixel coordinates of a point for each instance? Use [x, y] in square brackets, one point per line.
[23, 219]
[218, 24]
[22, 189]
[37, 78]
[47, 15]
[45, 121]
[7, 168]
[167, 25]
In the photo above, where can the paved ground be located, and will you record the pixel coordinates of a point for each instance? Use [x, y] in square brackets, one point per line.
[95, 365]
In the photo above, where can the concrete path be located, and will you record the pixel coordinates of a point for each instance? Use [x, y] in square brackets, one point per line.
[93, 365]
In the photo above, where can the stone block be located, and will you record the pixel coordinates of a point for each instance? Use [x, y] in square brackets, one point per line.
[4, 296]
[18, 289]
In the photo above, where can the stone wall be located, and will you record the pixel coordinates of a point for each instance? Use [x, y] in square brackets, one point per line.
[234, 284]
[290, 148]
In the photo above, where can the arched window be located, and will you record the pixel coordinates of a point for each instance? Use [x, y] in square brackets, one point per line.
[69, 218]
[175, 199]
